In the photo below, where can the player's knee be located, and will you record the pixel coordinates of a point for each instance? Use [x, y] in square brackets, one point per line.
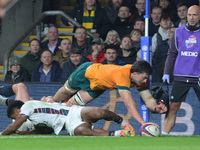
[17, 86]
[81, 130]
[20, 85]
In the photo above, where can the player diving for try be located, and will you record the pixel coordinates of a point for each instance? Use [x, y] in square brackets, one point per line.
[90, 80]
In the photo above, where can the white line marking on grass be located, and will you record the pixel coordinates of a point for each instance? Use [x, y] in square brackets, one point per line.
[47, 136]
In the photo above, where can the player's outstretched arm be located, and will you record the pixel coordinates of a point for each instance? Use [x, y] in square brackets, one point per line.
[14, 126]
[61, 95]
[151, 103]
[131, 105]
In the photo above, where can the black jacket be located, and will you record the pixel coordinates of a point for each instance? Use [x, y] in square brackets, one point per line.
[125, 27]
[101, 20]
[130, 59]
[22, 76]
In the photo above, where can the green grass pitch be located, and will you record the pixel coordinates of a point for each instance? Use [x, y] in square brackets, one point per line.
[64, 142]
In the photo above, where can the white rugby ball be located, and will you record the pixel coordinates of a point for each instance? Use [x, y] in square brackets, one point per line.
[149, 130]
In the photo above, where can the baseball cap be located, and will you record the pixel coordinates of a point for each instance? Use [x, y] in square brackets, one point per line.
[97, 41]
[15, 61]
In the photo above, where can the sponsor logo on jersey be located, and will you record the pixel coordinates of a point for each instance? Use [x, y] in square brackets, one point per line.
[191, 41]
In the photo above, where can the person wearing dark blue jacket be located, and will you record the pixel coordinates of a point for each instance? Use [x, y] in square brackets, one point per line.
[75, 60]
[48, 71]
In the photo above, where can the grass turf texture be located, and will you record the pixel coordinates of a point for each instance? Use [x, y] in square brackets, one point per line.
[46, 142]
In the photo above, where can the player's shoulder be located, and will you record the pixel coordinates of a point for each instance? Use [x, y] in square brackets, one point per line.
[181, 28]
[31, 102]
[125, 67]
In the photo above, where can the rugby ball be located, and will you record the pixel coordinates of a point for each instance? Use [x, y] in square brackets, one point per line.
[149, 130]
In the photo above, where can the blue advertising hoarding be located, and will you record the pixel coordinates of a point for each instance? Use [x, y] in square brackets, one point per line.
[187, 123]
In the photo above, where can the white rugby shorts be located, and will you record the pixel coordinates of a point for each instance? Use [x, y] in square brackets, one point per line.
[74, 119]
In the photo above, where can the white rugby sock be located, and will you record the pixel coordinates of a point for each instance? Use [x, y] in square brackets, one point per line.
[165, 133]
[123, 123]
[117, 133]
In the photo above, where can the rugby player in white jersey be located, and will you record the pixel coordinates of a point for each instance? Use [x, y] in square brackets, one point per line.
[77, 120]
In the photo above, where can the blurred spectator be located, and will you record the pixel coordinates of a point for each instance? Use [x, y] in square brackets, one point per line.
[112, 38]
[169, 8]
[98, 51]
[112, 9]
[78, 2]
[124, 22]
[48, 71]
[53, 40]
[154, 22]
[160, 56]
[91, 16]
[80, 41]
[139, 24]
[182, 14]
[48, 21]
[62, 56]
[140, 8]
[17, 73]
[75, 60]
[127, 53]
[162, 35]
[31, 60]
[136, 38]
[187, 2]
[111, 55]
[131, 5]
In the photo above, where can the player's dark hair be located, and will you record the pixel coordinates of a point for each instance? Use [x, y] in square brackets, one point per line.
[141, 66]
[14, 105]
